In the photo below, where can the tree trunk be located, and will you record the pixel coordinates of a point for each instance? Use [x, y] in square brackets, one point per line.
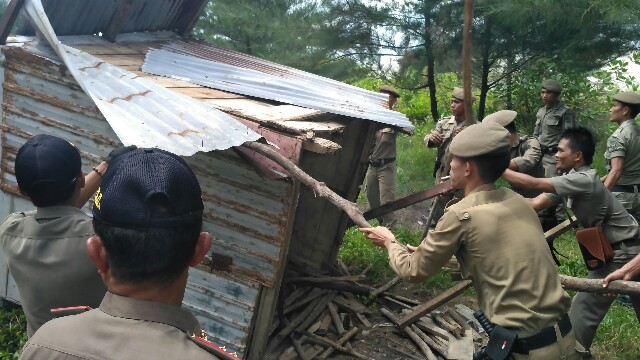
[484, 82]
[431, 64]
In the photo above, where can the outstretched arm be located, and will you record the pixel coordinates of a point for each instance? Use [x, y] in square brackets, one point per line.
[525, 181]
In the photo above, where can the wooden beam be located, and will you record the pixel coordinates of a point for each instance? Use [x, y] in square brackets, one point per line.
[434, 303]
[441, 188]
[9, 19]
[595, 286]
[190, 13]
[560, 229]
[120, 17]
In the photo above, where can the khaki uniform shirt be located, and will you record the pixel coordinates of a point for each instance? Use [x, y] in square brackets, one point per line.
[447, 127]
[585, 194]
[122, 328]
[47, 256]
[525, 152]
[551, 121]
[497, 238]
[384, 146]
[625, 143]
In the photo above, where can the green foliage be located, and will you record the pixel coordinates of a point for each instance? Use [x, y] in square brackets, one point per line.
[13, 331]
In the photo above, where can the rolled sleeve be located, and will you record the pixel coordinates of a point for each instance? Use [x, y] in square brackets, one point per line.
[434, 251]
[615, 148]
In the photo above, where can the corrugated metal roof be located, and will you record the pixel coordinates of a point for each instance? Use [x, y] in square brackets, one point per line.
[246, 215]
[222, 69]
[86, 17]
[141, 112]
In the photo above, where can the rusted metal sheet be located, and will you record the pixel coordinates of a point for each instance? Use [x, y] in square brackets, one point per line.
[224, 308]
[86, 17]
[222, 69]
[139, 111]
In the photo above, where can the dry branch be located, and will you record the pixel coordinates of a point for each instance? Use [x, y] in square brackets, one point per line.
[386, 286]
[324, 341]
[595, 286]
[340, 341]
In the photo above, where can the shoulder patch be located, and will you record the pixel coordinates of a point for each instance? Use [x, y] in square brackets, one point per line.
[211, 348]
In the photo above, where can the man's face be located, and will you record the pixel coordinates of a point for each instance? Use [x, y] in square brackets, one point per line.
[548, 97]
[566, 159]
[457, 107]
[618, 112]
[457, 172]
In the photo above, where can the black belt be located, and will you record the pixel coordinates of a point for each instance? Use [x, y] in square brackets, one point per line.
[381, 162]
[546, 336]
[549, 150]
[625, 188]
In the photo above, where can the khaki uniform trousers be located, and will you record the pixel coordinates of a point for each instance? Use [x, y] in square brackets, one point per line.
[630, 201]
[588, 310]
[563, 349]
[549, 164]
[381, 187]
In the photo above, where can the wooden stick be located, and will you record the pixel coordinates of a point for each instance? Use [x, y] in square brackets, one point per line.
[366, 270]
[440, 350]
[298, 347]
[314, 294]
[322, 280]
[351, 333]
[595, 286]
[434, 303]
[458, 318]
[318, 188]
[389, 298]
[403, 299]
[292, 325]
[386, 286]
[355, 288]
[421, 344]
[364, 320]
[337, 322]
[324, 341]
[439, 319]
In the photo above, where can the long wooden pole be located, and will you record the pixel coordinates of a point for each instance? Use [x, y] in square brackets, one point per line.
[466, 61]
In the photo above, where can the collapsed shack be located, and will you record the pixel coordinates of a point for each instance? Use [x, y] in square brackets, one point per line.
[261, 219]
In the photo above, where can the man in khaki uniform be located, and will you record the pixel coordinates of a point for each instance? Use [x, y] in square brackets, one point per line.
[440, 137]
[551, 120]
[45, 248]
[381, 175]
[524, 152]
[498, 241]
[623, 152]
[583, 191]
[147, 220]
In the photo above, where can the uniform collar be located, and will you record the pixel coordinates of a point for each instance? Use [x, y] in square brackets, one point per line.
[581, 169]
[627, 123]
[52, 212]
[130, 308]
[484, 187]
[557, 105]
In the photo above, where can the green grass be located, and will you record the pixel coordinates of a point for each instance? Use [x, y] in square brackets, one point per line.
[13, 331]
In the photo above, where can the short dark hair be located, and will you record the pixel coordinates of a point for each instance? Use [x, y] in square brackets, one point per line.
[633, 108]
[511, 127]
[581, 139]
[491, 166]
[158, 255]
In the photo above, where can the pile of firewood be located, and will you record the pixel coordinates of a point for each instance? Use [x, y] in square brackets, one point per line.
[320, 315]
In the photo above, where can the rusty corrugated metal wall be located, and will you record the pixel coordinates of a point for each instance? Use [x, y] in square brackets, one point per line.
[249, 217]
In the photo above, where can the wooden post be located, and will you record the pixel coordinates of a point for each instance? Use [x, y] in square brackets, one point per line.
[466, 60]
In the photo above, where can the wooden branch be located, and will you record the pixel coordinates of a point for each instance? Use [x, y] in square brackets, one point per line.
[323, 280]
[319, 188]
[340, 341]
[355, 288]
[421, 344]
[337, 322]
[432, 304]
[439, 349]
[403, 299]
[595, 286]
[298, 347]
[386, 286]
[439, 189]
[458, 318]
[324, 341]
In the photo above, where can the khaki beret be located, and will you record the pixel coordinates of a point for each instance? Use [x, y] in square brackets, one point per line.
[458, 93]
[480, 139]
[628, 97]
[502, 117]
[389, 90]
[552, 86]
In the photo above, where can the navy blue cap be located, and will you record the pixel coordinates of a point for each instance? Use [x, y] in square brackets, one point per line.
[148, 188]
[46, 165]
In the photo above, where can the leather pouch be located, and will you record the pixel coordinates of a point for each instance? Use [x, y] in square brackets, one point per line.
[596, 249]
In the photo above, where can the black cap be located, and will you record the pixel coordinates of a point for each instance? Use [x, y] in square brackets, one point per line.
[141, 179]
[46, 165]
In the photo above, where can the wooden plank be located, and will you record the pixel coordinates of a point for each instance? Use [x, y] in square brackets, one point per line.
[123, 60]
[434, 303]
[9, 19]
[441, 188]
[337, 322]
[320, 146]
[352, 305]
[99, 50]
[120, 17]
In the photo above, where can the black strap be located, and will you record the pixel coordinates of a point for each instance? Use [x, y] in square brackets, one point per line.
[545, 337]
